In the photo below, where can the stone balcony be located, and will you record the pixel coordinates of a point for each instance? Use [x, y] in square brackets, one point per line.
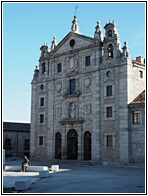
[77, 93]
[71, 121]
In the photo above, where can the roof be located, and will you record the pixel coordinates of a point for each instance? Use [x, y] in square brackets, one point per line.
[134, 61]
[139, 99]
[11, 126]
[67, 36]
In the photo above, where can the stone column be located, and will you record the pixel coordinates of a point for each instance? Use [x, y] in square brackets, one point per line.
[79, 144]
[64, 143]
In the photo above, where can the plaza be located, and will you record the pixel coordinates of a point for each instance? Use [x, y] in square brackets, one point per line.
[81, 179]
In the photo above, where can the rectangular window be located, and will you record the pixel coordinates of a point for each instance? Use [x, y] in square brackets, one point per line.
[109, 91]
[42, 101]
[109, 112]
[40, 140]
[72, 86]
[26, 144]
[8, 145]
[136, 117]
[59, 67]
[87, 61]
[41, 118]
[141, 74]
[109, 141]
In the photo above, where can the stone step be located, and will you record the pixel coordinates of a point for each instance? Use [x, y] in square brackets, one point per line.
[77, 162]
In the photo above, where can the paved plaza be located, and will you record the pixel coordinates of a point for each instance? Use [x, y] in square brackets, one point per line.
[81, 179]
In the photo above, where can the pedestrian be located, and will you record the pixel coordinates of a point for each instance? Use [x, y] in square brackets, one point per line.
[25, 164]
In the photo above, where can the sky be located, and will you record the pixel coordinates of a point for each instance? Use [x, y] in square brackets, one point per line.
[27, 26]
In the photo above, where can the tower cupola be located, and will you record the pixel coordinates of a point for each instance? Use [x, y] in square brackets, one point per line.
[111, 42]
[44, 50]
[111, 30]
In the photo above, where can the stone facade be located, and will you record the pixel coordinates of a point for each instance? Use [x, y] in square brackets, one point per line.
[80, 97]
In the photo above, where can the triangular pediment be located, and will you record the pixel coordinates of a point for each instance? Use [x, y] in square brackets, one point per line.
[68, 44]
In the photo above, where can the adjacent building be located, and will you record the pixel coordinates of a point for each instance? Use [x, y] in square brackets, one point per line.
[16, 139]
[137, 129]
[81, 99]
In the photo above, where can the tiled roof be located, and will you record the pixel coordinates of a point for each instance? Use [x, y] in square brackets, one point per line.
[134, 61]
[10, 126]
[139, 99]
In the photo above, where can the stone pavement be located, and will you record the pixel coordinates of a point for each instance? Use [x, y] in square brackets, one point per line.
[9, 178]
[81, 179]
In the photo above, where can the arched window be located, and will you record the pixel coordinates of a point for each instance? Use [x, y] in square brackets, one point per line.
[110, 51]
[109, 33]
[43, 53]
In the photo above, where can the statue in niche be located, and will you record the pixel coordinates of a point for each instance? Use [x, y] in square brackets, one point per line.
[72, 110]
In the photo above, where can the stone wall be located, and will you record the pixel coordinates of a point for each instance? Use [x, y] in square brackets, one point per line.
[17, 143]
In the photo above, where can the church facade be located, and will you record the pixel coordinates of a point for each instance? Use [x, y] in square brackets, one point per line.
[80, 96]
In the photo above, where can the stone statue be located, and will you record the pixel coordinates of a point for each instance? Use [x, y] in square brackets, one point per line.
[72, 110]
[36, 73]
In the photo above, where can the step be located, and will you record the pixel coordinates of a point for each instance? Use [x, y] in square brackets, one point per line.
[77, 162]
[29, 168]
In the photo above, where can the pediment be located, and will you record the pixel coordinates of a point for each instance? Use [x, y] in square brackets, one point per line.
[72, 41]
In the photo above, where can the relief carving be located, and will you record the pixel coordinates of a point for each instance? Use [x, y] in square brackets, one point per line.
[87, 82]
[58, 111]
[72, 63]
[59, 87]
[87, 109]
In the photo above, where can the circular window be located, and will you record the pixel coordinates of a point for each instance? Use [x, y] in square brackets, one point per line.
[109, 74]
[42, 87]
[72, 42]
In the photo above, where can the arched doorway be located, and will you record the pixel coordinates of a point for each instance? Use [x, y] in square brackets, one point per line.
[72, 144]
[58, 145]
[87, 145]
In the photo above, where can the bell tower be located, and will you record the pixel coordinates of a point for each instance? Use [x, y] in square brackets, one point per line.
[111, 42]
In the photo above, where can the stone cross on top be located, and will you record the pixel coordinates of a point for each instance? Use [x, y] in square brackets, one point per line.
[76, 9]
